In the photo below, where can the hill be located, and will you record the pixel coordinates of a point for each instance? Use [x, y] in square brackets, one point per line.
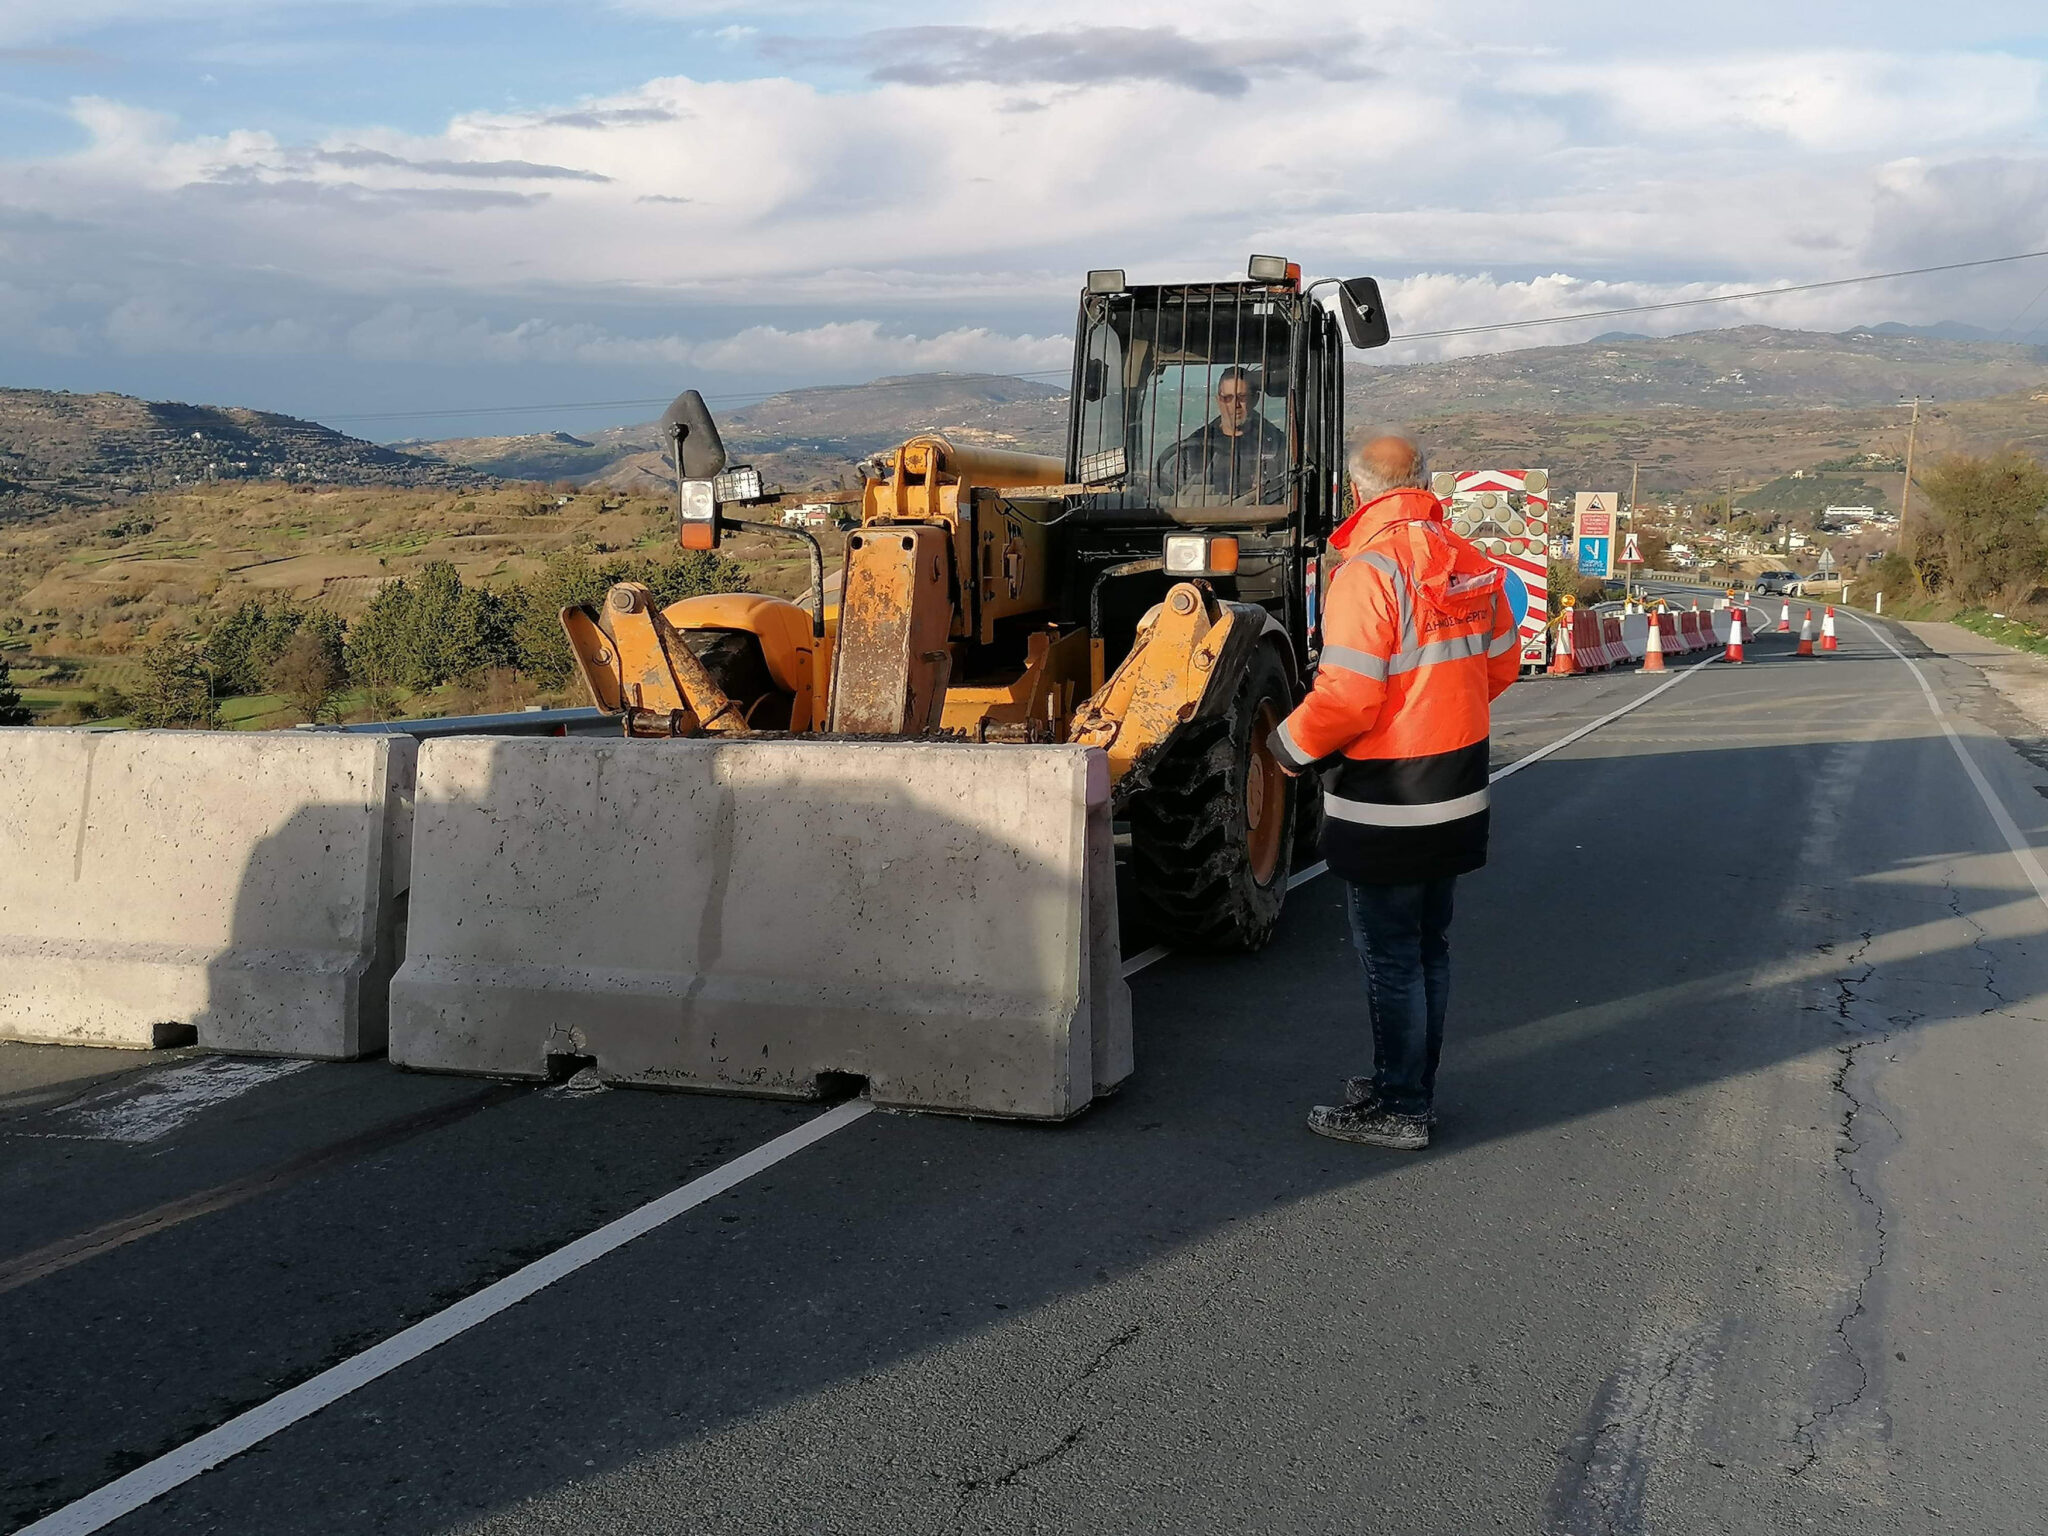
[800, 439]
[59, 449]
[1751, 367]
[811, 438]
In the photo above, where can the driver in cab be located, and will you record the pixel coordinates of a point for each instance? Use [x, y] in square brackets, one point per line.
[1238, 457]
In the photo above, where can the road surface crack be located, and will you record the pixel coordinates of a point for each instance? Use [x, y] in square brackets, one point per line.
[1978, 934]
[970, 1486]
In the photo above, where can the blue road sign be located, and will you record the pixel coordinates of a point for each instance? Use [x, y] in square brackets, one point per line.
[1518, 594]
[1593, 557]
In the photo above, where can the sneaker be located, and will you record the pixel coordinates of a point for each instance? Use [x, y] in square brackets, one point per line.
[1369, 1127]
[1358, 1094]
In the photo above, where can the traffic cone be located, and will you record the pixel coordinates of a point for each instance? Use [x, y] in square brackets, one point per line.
[1734, 651]
[1561, 663]
[1785, 618]
[1806, 634]
[1827, 629]
[1653, 649]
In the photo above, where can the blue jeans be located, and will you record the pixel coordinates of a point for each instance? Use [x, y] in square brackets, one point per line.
[1403, 938]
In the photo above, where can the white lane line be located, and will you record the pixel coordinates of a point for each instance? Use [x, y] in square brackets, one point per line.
[2008, 829]
[1607, 719]
[1158, 952]
[153, 1108]
[124, 1495]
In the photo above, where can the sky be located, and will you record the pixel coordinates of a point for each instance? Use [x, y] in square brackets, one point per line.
[430, 218]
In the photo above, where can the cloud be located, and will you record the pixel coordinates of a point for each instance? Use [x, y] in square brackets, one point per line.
[1079, 56]
[405, 333]
[509, 170]
[55, 58]
[616, 117]
[932, 199]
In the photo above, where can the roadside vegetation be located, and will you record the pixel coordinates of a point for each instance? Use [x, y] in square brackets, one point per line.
[258, 606]
[1978, 548]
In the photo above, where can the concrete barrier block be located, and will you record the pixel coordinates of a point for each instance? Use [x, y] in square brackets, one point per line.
[767, 917]
[241, 887]
[1635, 634]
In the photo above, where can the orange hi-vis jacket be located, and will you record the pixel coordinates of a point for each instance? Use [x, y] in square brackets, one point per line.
[1419, 639]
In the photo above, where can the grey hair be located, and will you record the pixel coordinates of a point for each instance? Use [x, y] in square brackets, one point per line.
[1370, 483]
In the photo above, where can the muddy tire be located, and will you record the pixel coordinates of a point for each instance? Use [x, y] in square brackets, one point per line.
[1212, 835]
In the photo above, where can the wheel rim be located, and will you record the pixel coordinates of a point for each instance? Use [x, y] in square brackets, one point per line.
[1265, 798]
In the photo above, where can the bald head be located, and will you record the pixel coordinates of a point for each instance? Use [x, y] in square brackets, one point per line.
[1387, 463]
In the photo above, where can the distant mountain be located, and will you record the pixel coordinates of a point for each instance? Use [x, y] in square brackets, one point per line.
[529, 456]
[59, 449]
[800, 439]
[1944, 330]
[1748, 367]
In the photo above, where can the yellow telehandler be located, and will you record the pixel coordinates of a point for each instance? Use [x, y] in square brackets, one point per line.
[1154, 592]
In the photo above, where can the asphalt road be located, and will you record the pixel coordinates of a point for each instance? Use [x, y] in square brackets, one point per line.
[1734, 1222]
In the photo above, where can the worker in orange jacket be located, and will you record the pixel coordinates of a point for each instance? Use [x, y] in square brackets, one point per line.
[1419, 638]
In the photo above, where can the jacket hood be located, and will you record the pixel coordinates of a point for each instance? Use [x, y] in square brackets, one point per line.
[1408, 524]
[1406, 505]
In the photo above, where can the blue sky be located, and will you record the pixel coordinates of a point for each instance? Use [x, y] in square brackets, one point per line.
[355, 211]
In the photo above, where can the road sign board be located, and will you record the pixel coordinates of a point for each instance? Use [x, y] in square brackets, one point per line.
[1827, 559]
[1593, 529]
[1630, 554]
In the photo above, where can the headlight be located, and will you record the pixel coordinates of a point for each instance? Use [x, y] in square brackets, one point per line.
[1201, 554]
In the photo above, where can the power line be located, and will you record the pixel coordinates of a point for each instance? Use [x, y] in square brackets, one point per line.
[1717, 298]
[1049, 373]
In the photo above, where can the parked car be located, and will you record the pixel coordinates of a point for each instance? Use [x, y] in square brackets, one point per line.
[1777, 583]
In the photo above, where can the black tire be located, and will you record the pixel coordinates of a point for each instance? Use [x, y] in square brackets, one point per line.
[1192, 834]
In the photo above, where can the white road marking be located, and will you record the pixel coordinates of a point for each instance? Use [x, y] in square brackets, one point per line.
[104, 1506]
[152, 1109]
[1158, 952]
[2008, 829]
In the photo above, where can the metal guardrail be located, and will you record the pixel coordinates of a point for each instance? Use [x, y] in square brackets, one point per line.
[526, 722]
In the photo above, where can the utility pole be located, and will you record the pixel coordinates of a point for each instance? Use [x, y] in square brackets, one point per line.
[1906, 489]
[1628, 572]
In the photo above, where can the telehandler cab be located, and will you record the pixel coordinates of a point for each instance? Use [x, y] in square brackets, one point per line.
[1155, 593]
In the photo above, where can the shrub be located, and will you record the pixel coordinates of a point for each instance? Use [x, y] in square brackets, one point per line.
[175, 692]
[309, 672]
[1985, 534]
[12, 710]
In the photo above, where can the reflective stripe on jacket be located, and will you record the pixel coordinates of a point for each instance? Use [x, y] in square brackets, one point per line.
[1418, 640]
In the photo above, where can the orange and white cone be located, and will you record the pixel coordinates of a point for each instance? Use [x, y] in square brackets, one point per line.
[1806, 634]
[1785, 618]
[1827, 629]
[1734, 651]
[1653, 648]
[1561, 662]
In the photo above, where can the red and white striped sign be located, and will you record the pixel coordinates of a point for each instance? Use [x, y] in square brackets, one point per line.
[1506, 513]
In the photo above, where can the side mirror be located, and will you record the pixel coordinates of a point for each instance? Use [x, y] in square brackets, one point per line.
[1094, 379]
[1364, 316]
[688, 424]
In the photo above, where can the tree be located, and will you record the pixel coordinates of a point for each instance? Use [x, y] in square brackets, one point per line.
[419, 633]
[310, 672]
[569, 581]
[175, 691]
[246, 645]
[379, 644]
[12, 710]
[1985, 534]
